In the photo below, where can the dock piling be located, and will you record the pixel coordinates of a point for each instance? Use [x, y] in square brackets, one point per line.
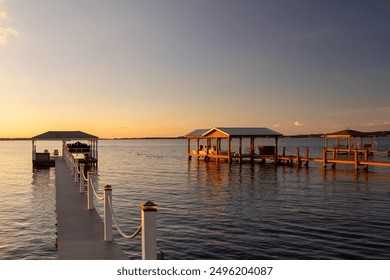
[107, 213]
[356, 159]
[90, 193]
[76, 170]
[334, 153]
[149, 230]
[82, 177]
[298, 158]
[324, 151]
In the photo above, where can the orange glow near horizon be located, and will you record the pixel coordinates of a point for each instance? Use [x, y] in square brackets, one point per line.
[151, 69]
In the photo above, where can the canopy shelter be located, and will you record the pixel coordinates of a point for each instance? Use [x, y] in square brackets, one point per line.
[348, 140]
[213, 143]
[90, 148]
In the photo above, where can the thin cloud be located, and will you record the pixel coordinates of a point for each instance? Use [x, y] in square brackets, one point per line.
[6, 32]
[297, 123]
[378, 122]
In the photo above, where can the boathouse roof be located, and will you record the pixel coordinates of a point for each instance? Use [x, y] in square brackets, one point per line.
[197, 132]
[234, 132]
[65, 135]
[346, 134]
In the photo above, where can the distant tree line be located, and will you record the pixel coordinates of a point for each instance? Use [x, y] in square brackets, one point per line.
[381, 133]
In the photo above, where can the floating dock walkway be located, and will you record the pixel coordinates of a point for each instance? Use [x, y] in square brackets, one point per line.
[80, 231]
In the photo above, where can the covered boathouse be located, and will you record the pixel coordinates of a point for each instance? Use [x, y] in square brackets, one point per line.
[86, 150]
[232, 143]
[346, 141]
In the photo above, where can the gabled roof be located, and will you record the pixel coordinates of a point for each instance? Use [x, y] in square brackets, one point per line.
[197, 132]
[235, 132]
[347, 133]
[246, 131]
[65, 135]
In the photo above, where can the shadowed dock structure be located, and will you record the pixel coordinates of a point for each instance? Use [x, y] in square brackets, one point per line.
[46, 158]
[80, 231]
[208, 146]
[214, 149]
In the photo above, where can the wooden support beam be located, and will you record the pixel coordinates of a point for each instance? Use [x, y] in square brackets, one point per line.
[276, 150]
[240, 147]
[298, 158]
[324, 152]
[229, 149]
[356, 161]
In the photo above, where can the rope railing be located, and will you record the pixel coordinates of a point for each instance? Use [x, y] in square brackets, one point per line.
[85, 179]
[77, 172]
[94, 190]
[69, 159]
[137, 231]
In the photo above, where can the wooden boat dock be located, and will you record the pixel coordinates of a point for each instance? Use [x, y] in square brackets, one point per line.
[209, 147]
[88, 150]
[359, 159]
[213, 138]
[80, 231]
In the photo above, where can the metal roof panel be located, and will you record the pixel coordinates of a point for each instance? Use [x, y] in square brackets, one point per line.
[236, 131]
[65, 135]
[197, 132]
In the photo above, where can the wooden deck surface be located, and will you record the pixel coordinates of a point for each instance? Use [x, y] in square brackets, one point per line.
[80, 231]
[298, 159]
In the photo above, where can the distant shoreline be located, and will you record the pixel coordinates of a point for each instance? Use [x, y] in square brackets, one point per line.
[14, 139]
[317, 135]
[103, 138]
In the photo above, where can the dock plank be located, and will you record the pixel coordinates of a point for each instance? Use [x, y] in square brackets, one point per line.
[80, 231]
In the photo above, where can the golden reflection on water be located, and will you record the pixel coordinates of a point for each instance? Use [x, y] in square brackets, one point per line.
[244, 210]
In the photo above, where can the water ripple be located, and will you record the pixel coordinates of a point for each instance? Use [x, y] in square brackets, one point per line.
[208, 210]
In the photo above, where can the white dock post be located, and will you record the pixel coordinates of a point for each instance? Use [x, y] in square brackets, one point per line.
[90, 193]
[149, 230]
[81, 177]
[71, 165]
[107, 213]
[76, 171]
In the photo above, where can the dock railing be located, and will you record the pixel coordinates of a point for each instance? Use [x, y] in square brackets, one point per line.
[148, 209]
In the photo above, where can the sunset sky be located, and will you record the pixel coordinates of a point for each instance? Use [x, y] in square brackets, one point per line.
[135, 68]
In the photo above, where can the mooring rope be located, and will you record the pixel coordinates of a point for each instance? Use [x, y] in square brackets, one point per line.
[94, 191]
[137, 231]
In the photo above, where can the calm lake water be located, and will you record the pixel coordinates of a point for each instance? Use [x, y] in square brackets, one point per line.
[209, 210]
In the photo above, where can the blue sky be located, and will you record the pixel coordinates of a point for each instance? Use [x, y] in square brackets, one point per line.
[165, 67]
